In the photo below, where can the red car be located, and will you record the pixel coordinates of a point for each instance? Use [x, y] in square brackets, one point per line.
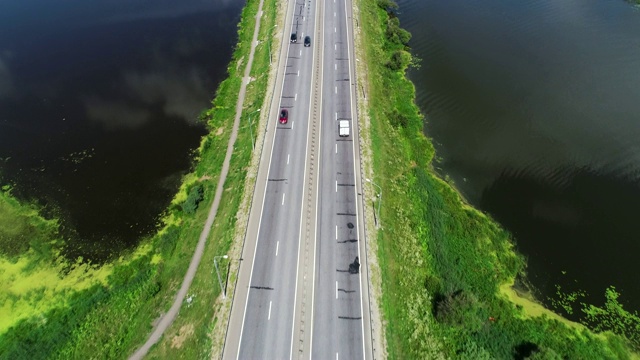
[284, 116]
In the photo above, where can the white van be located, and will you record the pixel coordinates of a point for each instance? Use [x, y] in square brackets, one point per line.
[344, 127]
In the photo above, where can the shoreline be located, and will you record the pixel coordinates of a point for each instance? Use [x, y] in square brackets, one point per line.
[439, 242]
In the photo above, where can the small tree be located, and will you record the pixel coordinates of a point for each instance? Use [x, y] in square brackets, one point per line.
[398, 119]
[462, 310]
[196, 194]
[387, 5]
[399, 60]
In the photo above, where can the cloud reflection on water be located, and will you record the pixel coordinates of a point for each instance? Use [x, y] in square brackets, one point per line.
[180, 93]
[126, 78]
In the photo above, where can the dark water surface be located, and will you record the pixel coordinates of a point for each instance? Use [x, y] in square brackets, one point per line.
[534, 108]
[98, 106]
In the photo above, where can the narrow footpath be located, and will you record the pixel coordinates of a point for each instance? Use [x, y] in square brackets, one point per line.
[167, 319]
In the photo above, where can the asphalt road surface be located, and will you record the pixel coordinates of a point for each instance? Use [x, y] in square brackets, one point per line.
[338, 326]
[268, 319]
[299, 293]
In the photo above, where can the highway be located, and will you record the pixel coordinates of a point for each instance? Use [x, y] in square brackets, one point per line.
[296, 296]
[268, 319]
[339, 324]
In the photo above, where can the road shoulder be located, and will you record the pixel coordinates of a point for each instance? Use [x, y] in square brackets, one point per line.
[374, 277]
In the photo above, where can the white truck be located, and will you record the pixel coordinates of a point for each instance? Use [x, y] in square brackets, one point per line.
[344, 127]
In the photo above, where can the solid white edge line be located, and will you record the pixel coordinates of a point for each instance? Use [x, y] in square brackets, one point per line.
[269, 318]
[264, 196]
[336, 232]
[277, 247]
[283, 198]
[295, 297]
[355, 191]
[288, 155]
[315, 230]
[296, 97]
[336, 148]
[292, 124]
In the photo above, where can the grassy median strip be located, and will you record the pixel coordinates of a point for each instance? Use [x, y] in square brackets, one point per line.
[110, 318]
[443, 263]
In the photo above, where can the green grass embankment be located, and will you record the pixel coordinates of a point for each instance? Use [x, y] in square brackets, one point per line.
[113, 313]
[443, 262]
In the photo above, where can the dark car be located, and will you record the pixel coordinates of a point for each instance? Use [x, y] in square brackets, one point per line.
[284, 116]
[307, 41]
[294, 37]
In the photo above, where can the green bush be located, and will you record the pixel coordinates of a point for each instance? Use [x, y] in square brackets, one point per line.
[387, 5]
[398, 119]
[472, 351]
[463, 310]
[399, 60]
[166, 242]
[396, 34]
[196, 195]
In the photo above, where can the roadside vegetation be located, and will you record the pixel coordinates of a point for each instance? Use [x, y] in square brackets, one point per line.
[53, 309]
[447, 269]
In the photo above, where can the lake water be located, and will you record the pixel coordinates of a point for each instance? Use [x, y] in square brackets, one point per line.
[99, 103]
[534, 109]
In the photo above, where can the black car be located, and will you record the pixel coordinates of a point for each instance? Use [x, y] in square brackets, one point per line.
[294, 37]
[307, 41]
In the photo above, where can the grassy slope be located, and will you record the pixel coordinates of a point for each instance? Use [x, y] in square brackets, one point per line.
[443, 262]
[112, 317]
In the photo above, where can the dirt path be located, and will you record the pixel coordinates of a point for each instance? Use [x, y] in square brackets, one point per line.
[167, 319]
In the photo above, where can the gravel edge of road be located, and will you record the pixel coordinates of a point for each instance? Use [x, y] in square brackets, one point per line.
[378, 336]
